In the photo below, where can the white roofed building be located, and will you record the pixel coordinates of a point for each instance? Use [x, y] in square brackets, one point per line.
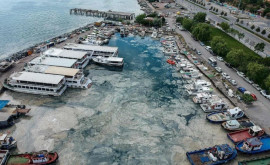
[36, 83]
[80, 56]
[54, 61]
[94, 50]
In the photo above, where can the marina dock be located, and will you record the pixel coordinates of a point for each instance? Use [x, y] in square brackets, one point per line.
[105, 14]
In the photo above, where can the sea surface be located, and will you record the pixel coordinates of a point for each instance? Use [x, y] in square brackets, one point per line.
[27, 22]
[138, 116]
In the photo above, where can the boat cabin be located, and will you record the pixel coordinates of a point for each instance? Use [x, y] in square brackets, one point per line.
[252, 144]
[235, 112]
[255, 130]
[7, 142]
[232, 124]
[80, 56]
[201, 98]
[220, 152]
[39, 158]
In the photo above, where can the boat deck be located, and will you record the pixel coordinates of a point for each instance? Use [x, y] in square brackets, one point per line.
[239, 135]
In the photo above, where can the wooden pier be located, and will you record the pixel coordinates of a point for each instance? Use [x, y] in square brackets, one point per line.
[105, 14]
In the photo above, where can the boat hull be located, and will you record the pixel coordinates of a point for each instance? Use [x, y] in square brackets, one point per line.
[243, 134]
[265, 147]
[243, 124]
[217, 121]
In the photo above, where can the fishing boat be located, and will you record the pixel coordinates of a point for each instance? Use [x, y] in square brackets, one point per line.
[4, 154]
[218, 154]
[254, 145]
[261, 161]
[7, 143]
[200, 90]
[110, 61]
[235, 125]
[214, 105]
[230, 114]
[154, 34]
[40, 158]
[237, 136]
[4, 66]
[202, 98]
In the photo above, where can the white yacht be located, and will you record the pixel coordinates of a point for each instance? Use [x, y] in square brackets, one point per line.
[202, 98]
[36, 83]
[74, 77]
[214, 106]
[200, 90]
[198, 84]
[154, 34]
[92, 40]
[110, 61]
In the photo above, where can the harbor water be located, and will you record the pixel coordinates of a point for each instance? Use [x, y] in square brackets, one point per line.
[25, 23]
[140, 115]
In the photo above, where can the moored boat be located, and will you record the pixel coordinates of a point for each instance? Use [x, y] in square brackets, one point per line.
[230, 114]
[218, 154]
[237, 136]
[254, 145]
[40, 158]
[235, 125]
[261, 161]
[171, 62]
[110, 61]
[214, 105]
[7, 143]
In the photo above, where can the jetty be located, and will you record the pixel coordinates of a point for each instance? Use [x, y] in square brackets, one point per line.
[105, 14]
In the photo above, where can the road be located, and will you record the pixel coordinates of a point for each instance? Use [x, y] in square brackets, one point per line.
[251, 37]
[258, 112]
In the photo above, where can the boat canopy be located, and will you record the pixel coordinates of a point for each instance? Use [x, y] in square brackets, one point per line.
[225, 148]
[3, 103]
[254, 142]
[233, 123]
[234, 111]
[3, 137]
[255, 128]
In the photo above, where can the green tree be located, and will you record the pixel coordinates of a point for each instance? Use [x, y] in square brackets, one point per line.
[237, 20]
[199, 17]
[240, 36]
[222, 13]
[140, 18]
[219, 46]
[268, 36]
[252, 27]
[225, 26]
[263, 32]
[267, 83]
[179, 19]
[247, 98]
[260, 47]
[187, 23]
[211, 8]
[236, 57]
[257, 72]
[202, 32]
[225, 14]
[216, 10]
[258, 29]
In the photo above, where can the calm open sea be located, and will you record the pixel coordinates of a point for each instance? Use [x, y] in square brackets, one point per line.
[27, 22]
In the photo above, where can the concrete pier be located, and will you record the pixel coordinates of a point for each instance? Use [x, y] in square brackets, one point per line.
[105, 14]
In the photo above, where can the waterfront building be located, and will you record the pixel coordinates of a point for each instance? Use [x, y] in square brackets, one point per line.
[80, 56]
[74, 77]
[54, 61]
[94, 50]
[36, 83]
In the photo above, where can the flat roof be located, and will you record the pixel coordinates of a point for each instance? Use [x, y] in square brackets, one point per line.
[121, 13]
[91, 47]
[3, 103]
[54, 61]
[62, 71]
[37, 77]
[65, 53]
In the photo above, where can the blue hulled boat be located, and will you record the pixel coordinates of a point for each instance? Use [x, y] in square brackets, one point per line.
[254, 145]
[230, 114]
[218, 154]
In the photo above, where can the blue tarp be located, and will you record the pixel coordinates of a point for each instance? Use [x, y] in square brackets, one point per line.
[3, 103]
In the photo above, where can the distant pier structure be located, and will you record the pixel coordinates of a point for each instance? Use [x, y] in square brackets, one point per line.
[105, 14]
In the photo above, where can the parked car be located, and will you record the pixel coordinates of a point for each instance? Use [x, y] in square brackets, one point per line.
[233, 82]
[218, 69]
[199, 53]
[226, 76]
[241, 89]
[265, 94]
[241, 74]
[220, 58]
[228, 65]
[248, 80]
[256, 86]
[202, 44]
[253, 96]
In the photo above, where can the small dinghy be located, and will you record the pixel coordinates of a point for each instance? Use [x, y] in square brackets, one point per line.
[254, 145]
[261, 161]
[230, 114]
[235, 125]
[237, 136]
[218, 154]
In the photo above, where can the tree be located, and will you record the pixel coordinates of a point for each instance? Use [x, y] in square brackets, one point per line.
[236, 57]
[268, 36]
[199, 17]
[211, 8]
[258, 29]
[187, 23]
[225, 14]
[260, 47]
[201, 32]
[267, 83]
[140, 18]
[241, 21]
[219, 46]
[241, 36]
[225, 26]
[237, 20]
[247, 98]
[263, 32]
[179, 19]
[216, 10]
[257, 72]
[222, 13]
[252, 27]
